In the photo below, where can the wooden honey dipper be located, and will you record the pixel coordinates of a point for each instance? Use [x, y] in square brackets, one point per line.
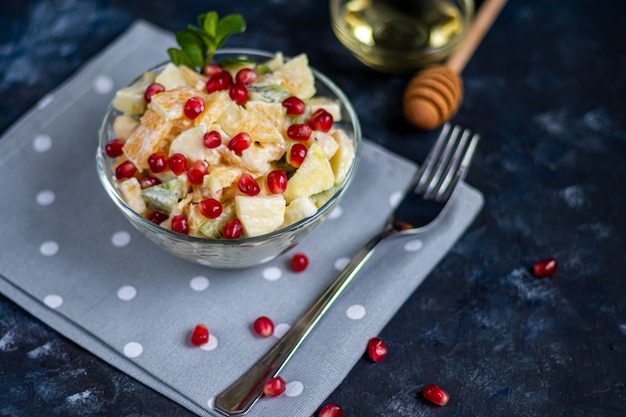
[434, 94]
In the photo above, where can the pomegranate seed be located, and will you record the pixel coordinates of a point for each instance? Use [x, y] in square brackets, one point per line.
[331, 410]
[239, 94]
[113, 149]
[211, 69]
[233, 229]
[200, 335]
[177, 163]
[193, 107]
[294, 105]
[321, 120]
[299, 262]
[157, 162]
[212, 139]
[180, 225]
[263, 326]
[125, 170]
[246, 76]
[248, 185]
[277, 181]
[274, 387]
[197, 171]
[299, 131]
[151, 90]
[435, 394]
[148, 182]
[157, 217]
[240, 142]
[220, 81]
[376, 349]
[296, 155]
[545, 268]
[210, 208]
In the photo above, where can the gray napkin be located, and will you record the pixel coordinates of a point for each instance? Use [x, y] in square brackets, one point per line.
[69, 258]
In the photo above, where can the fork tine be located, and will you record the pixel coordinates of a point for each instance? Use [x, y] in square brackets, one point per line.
[429, 164]
[461, 171]
[442, 164]
[440, 190]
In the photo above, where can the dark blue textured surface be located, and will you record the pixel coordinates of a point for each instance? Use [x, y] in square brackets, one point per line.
[546, 89]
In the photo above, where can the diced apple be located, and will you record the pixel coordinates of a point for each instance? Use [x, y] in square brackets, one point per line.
[221, 177]
[124, 126]
[260, 215]
[171, 77]
[298, 209]
[131, 193]
[314, 175]
[328, 143]
[343, 158]
[327, 104]
[130, 100]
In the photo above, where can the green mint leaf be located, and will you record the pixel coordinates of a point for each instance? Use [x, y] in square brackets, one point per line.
[229, 25]
[193, 46]
[179, 57]
[209, 23]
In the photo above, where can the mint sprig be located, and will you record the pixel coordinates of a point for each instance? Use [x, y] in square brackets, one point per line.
[198, 44]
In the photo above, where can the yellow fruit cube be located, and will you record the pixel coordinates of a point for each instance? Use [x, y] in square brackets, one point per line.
[171, 77]
[260, 215]
[130, 100]
[314, 175]
[343, 158]
[296, 77]
[298, 209]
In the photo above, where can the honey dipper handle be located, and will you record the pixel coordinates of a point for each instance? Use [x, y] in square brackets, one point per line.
[483, 20]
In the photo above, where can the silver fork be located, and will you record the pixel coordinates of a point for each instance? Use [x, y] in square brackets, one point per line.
[435, 182]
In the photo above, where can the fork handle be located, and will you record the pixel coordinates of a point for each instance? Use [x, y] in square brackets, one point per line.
[245, 391]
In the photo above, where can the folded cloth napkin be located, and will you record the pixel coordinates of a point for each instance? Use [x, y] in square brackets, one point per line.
[69, 258]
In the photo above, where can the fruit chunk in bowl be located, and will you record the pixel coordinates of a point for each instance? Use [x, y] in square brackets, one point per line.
[232, 166]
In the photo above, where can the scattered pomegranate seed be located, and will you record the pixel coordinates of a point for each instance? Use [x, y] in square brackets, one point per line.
[220, 81]
[238, 93]
[435, 394]
[277, 181]
[246, 76]
[113, 149]
[157, 217]
[233, 229]
[211, 69]
[180, 225]
[193, 107]
[151, 90]
[157, 162]
[274, 387]
[147, 182]
[212, 139]
[210, 208]
[240, 142]
[299, 131]
[296, 155]
[545, 268]
[197, 171]
[263, 326]
[294, 105]
[248, 185]
[125, 170]
[200, 335]
[299, 262]
[177, 163]
[321, 120]
[376, 349]
[331, 410]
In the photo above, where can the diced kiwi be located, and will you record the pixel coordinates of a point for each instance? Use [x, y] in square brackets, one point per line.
[162, 197]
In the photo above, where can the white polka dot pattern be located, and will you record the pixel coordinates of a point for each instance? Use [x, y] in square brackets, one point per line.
[45, 197]
[127, 293]
[49, 248]
[199, 283]
[355, 312]
[103, 84]
[133, 350]
[294, 388]
[211, 344]
[272, 273]
[280, 329]
[42, 143]
[120, 239]
[53, 301]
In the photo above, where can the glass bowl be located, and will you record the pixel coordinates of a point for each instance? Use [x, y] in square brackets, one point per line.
[247, 251]
[400, 36]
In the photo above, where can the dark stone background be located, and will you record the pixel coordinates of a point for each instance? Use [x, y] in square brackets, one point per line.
[545, 89]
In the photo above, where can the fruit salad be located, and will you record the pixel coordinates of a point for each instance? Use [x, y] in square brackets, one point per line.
[238, 149]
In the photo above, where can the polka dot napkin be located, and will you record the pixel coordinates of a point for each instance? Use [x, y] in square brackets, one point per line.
[69, 257]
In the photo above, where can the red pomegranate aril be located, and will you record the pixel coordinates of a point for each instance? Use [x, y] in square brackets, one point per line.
[200, 335]
[246, 76]
[238, 93]
[113, 148]
[210, 208]
[157, 217]
[299, 131]
[545, 268]
[233, 229]
[219, 81]
[147, 182]
[197, 171]
[296, 155]
[277, 181]
[263, 326]
[248, 185]
[321, 120]
[274, 387]
[240, 142]
[177, 163]
[331, 410]
[125, 170]
[211, 69]
[180, 225]
[376, 349]
[294, 105]
[299, 262]
[212, 139]
[151, 90]
[157, 162]
[435, 394]
[193, 107]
